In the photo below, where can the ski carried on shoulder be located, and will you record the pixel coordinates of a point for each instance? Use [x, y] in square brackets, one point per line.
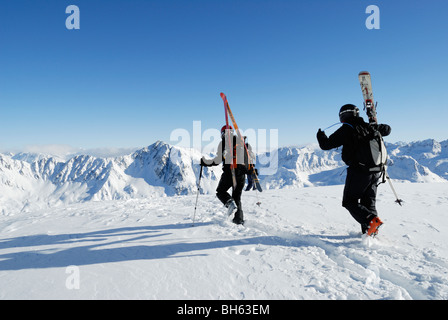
[229, 139]
[228, 111]
[366, 87]
[365, 80]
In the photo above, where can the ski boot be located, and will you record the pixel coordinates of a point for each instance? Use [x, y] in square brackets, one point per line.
[238, 219]
[374, 225]
[231, 207]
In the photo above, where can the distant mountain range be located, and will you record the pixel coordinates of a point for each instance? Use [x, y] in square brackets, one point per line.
[32, 180]
[420, 161]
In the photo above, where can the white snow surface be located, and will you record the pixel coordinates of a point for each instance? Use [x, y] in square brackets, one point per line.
[298, 244]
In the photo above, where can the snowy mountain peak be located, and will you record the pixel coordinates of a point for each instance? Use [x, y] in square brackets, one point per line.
[162, 169]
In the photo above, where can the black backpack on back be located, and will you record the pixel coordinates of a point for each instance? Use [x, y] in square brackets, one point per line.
[370, 152]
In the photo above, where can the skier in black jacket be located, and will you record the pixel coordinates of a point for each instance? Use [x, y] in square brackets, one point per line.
[233, 201]
[360, 185]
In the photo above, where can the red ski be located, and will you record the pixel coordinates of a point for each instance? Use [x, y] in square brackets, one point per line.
[229, 139]
[237, 130]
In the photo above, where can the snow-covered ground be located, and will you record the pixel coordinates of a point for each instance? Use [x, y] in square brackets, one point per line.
[298, 244]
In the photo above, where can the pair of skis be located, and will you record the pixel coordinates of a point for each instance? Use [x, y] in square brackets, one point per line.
[229, 147]
[365, 81]
[229, 139]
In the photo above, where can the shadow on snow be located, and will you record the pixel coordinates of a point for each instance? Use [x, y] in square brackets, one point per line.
[118, 245]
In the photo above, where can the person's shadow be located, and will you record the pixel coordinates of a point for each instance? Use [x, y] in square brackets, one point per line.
[127, 244]
[105, 246]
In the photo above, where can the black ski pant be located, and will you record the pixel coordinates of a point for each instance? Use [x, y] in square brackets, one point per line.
[360, 195]
[225, 183]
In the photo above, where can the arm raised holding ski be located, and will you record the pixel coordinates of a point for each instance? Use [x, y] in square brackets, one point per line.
[364, 166]
[365, 80]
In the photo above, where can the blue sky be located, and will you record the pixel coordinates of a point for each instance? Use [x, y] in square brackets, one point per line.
[137, 70]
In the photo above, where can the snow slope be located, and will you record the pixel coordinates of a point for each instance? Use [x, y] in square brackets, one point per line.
[298, 244]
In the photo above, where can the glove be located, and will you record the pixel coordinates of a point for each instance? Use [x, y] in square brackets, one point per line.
[320, 134]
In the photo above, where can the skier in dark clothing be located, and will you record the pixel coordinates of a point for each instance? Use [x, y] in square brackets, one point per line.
[233, 201]
[360, 189]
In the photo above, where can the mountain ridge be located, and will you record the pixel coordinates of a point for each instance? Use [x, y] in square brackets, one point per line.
[162, 169]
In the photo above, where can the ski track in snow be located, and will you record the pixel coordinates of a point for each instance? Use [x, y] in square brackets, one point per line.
[298, 244]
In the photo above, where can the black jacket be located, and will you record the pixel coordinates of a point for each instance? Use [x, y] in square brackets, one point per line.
[345, 136]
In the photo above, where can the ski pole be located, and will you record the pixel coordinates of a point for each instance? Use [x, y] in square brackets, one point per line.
[399, 201]
[331, 126]
[197, 195]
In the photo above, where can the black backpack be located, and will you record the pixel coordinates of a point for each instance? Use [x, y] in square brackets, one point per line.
[370, 152]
